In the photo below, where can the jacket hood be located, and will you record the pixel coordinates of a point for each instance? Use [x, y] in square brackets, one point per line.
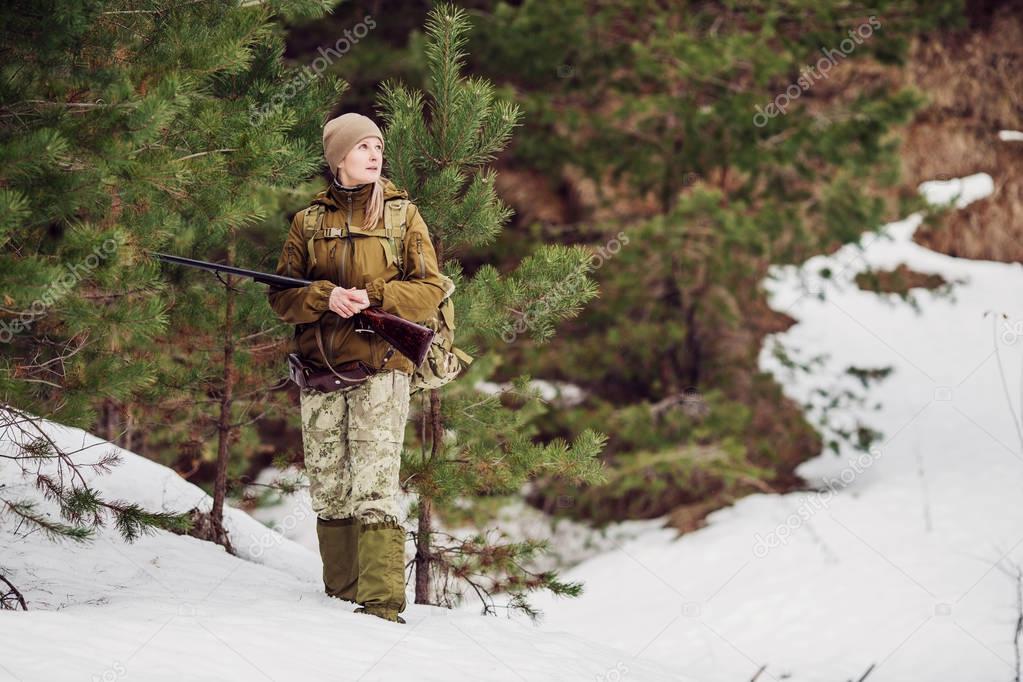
[331, 196]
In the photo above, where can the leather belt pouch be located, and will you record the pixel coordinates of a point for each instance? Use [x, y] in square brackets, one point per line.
[348, 375]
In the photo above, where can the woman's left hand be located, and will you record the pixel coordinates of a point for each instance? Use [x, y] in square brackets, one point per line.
[348, 302]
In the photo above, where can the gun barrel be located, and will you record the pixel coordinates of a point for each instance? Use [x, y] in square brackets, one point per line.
[279, 281]
[411, 339]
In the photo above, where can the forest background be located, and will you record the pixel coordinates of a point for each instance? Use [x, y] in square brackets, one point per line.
[668, 154]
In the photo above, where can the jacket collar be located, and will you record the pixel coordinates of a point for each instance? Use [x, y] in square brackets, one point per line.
[336, 196]
[341, 196]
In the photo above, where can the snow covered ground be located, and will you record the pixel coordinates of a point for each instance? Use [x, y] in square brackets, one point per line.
[175, 608]
[909, 564]
[905, 561]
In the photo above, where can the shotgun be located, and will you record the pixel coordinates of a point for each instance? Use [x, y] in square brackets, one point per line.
[408, 338]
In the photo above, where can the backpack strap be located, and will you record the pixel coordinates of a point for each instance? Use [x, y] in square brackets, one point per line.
[311, 222]
[395, 226]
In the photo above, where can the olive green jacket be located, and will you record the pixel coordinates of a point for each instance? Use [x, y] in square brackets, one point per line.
[360, 261]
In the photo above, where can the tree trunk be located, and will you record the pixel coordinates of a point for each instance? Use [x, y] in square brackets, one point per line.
[424, 556]
[109, 422]
[423, 552]
[224, 424]
[129, 429]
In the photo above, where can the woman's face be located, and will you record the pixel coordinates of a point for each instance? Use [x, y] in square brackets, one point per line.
[364, 163]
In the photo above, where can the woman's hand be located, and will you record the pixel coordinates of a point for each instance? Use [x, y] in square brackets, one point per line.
[347, 302]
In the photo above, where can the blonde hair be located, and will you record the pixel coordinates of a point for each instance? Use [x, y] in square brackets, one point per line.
[375, 204]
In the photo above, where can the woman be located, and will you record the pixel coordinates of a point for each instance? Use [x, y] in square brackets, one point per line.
[353, 437]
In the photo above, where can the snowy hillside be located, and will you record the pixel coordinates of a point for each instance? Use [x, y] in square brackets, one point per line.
[175, 608]
[909, 565]
[903, 566]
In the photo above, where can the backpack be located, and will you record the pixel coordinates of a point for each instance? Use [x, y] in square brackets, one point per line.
[443, 362]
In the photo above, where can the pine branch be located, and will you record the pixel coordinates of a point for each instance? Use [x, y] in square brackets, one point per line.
[54, 530]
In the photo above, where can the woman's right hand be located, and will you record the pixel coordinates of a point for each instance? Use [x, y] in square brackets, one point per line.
[347, 302]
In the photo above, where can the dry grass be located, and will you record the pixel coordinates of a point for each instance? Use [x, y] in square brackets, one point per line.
[974, 81]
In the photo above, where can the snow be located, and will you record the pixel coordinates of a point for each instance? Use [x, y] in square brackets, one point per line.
[904, 560]
[570, 542]
[169, 607]
[1010, 135]
[558, 393]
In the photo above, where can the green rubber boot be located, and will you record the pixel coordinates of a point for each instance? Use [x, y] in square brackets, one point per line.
[339, 550]
[382, 570]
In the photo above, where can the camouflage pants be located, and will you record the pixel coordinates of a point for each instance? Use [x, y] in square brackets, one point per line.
[352, 440]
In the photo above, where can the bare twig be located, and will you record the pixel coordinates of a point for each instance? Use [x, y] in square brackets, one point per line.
[869, 669]
[1019, 619]
[1001, 375]
[211, 151]
[11, 591]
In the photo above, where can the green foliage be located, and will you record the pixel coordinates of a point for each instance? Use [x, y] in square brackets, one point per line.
[904, 285]
[169, 126]
[474, 444]
[646, 484]
[668, 111]
[549, 286]
[493, 451]
[60, 476]
[128, 128]
[490, 563]
[54, 530]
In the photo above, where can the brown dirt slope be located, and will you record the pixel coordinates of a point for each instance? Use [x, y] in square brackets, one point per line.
[974, 80]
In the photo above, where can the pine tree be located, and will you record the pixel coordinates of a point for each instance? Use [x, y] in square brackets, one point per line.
[128, 128]
[671, 112]
[471, 444]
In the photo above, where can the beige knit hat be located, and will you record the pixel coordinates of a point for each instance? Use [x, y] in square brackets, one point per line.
[342, 133]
